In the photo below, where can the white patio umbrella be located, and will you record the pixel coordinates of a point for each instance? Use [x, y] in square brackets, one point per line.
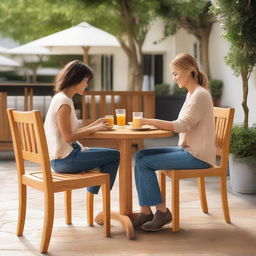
[3, 49]
[80, 39]
[31, 53]
[28, 49]
[7, 62]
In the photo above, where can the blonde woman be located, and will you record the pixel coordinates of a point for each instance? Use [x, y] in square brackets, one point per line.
[196, 147]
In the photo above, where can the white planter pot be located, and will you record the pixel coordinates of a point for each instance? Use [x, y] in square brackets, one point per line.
[242, 174]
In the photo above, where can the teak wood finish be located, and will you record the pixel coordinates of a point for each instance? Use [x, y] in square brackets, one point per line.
[223, 126]
[96, 104]
[30, 144]
[124, 138]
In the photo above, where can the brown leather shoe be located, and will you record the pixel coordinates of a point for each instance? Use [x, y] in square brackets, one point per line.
[160, 219]
[141, 218]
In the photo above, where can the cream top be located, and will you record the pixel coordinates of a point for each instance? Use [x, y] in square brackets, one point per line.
[57, 147]
[195, 125]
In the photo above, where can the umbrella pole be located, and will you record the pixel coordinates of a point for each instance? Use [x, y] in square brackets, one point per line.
[85, 57]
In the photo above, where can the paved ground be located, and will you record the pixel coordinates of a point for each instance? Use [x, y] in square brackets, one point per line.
[200, 234]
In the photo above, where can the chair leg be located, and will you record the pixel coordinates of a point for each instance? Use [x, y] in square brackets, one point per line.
[68, 206]
[90, 208]
[162, 182]
[175, 204]
[224, 198]
[48, 221]
[202, 194]
[106, 207]
[22, 209]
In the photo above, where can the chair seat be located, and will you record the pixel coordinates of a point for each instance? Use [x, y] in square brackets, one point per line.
[63, 181]
[191, 173]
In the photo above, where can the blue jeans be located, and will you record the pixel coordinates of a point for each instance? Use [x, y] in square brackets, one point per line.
[106, 159]
[148, 161]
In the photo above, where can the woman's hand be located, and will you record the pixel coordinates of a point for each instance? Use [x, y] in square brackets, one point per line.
[100, 124]
[97, 121]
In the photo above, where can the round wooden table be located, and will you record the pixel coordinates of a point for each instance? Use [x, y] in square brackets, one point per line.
[124, 136]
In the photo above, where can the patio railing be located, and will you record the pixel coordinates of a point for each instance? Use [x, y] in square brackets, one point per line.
[94, 104]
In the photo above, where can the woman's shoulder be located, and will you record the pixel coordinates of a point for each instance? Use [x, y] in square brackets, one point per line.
[202, 96]
[61, 97]
[202, 92]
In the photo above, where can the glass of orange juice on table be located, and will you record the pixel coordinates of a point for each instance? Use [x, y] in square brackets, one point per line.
[110, 120]
[121, 117]
[136, 119]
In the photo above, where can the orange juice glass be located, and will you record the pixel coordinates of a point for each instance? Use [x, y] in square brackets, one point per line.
[110, 120]
[120, 117]
[136, 119]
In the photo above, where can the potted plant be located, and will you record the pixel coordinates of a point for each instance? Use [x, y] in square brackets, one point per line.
[216, 88]
[242, 160]
[169, 101]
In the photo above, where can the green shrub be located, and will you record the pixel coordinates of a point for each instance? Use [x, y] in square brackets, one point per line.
[243, 141]
[216, 88]
[162, 89]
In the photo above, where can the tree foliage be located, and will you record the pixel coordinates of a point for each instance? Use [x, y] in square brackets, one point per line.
[128, 20]
[194, 17]
[239, 24]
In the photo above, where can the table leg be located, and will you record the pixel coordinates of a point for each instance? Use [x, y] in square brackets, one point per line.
[125, 190]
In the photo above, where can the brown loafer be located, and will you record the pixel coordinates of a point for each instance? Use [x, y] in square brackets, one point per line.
[160, 219]
[141, 218]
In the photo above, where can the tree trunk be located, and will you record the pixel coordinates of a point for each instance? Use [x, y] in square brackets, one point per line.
[132, 48]
[204, 43]
[135, 76]
[244, 74]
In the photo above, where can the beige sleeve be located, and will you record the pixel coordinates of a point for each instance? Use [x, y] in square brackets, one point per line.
[191, 115]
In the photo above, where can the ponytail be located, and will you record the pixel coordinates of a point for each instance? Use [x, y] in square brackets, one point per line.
[202, 79]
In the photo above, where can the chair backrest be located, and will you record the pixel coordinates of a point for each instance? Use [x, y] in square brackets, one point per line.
[29, 141]
[223, 127]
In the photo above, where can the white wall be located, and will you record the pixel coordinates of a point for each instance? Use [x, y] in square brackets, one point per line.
[232, 94]
[120, 70]
[166, 47]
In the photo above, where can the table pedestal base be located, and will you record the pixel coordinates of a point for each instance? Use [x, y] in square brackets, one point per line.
[123, 219]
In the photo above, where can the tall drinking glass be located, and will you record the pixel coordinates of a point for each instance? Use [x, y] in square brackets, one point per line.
[121, 117]
[110, 120]
[136, 119]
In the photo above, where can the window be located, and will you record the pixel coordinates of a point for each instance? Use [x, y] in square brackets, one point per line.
[153, 71]
[107, 72]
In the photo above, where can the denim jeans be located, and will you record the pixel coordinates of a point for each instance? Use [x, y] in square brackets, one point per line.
[148, 161]
[106, 159]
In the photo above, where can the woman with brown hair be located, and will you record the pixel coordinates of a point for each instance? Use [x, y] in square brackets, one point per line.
[196, 147]
[67, 155]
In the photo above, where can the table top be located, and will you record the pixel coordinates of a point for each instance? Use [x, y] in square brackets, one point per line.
[128, 133]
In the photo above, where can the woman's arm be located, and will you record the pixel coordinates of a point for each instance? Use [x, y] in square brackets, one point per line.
[162, 124]
[64, 125]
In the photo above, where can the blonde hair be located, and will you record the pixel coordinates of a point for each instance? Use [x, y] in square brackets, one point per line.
[186, 62]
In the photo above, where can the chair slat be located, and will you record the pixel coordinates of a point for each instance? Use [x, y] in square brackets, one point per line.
[33, 139]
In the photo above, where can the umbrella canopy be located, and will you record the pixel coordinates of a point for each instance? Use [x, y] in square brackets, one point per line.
[4, 61]
[28, 49]
[3, 50]
[80, 39]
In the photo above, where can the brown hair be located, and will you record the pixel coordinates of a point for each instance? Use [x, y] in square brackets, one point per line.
[72, 74]
[187, 62]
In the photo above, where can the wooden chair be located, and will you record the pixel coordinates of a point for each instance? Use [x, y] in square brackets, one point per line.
[223, 126]
[30, 144]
